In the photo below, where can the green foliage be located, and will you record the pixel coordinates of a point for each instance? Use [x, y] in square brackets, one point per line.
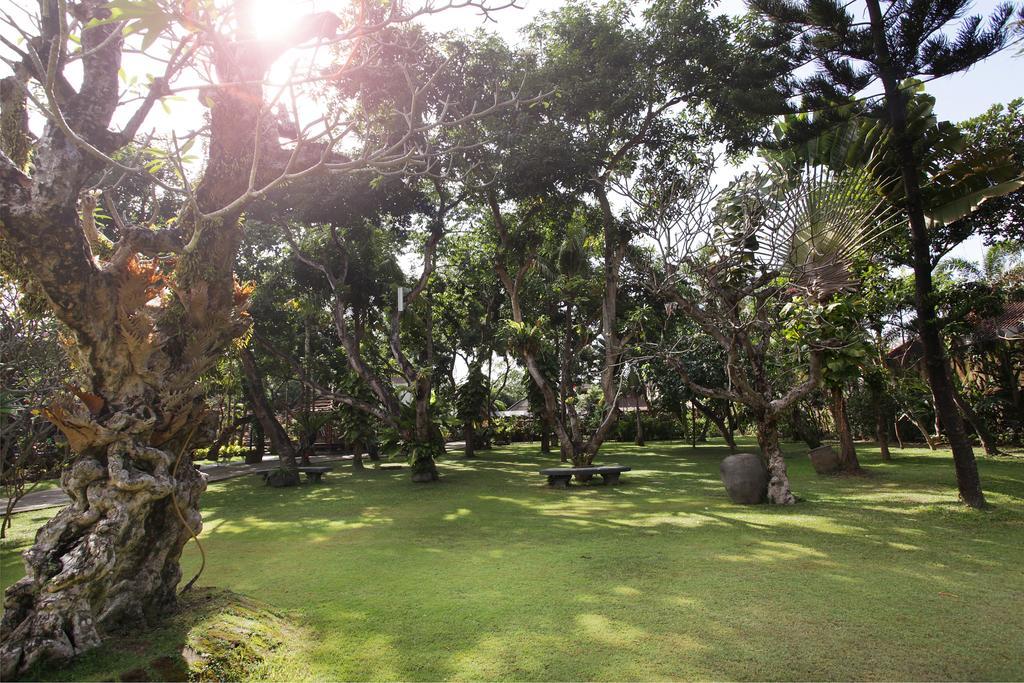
[834, 327]
[472, 398]
[514, 429]
[422, 456]
[227, 452]
[1001, 127]
[524, 336]
[657, 427]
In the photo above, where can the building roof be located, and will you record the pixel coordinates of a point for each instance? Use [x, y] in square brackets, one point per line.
[1007, 325]
[517, 409]
[627, 403]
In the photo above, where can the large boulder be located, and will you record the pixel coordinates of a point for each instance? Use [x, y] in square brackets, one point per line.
[745, 477]
[824, 459]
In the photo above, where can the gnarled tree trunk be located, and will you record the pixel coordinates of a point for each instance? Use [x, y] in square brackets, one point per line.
[779, 492]
[145, 327]
[805, 430]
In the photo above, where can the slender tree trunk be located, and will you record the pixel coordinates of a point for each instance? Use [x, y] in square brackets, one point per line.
[268, 420]
[896, 431]
[545, 437]
[693, 424]
[639, 441]
[469, 434]
[807, 432]
[259, 443]
[923, 428]
[847, 450]
[779, 492]
[1012, 380]
[225, 435]
[730, 422]
[357, 456]
[988, 441]
[882, 433]
[936, 365]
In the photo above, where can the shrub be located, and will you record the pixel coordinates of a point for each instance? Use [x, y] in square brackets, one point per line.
[657, 427]
[226, 452]
[514, 429]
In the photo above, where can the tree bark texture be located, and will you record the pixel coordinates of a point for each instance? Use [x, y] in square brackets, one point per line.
[988, 441]
[545, 436]
[935, 361]
[145, 330]
[264, 412]
[259, 443]
[805, 429]
[779, 492]
[847, 450]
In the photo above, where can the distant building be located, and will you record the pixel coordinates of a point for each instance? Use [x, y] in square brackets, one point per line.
[627, 404]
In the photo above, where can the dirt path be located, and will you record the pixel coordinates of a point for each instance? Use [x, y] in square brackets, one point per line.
[37, 500]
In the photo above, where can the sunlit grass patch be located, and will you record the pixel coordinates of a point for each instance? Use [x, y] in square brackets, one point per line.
[492, 575]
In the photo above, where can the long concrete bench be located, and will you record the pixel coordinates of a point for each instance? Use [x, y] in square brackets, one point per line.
[313, 474]
[558, 477]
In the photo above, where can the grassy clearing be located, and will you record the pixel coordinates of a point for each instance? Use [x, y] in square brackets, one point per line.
[491, 575]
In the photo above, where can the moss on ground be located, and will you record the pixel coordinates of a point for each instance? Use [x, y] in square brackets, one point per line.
[488, 574]
[215, 635]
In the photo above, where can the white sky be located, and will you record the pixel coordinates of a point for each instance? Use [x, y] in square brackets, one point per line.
[997, 80]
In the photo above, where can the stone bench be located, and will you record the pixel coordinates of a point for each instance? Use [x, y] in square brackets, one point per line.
[558, 477]
[313, 474]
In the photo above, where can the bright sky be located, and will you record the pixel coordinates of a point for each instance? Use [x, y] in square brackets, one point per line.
[997, 80]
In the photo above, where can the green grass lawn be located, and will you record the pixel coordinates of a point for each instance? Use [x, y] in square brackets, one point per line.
[491, 575]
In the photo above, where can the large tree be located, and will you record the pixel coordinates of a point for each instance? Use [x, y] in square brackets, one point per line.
[758, 268]
[151, 307]
[864, 44]
[625, 82]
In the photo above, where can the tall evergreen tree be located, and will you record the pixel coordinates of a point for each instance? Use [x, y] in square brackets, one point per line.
[857, 45]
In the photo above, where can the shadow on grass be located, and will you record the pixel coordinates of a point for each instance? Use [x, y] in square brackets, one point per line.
[490, 574]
